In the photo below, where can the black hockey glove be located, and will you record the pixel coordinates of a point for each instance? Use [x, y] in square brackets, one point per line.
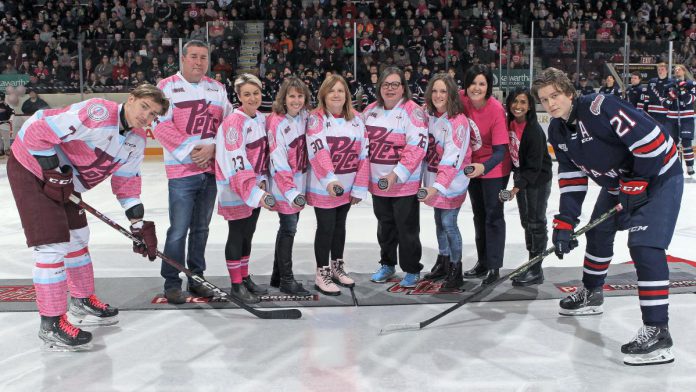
[146, 233]
[58, 185]
[633, 193]
[563, 230]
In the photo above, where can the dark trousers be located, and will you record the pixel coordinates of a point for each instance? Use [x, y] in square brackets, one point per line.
[330, 238]
[532, 202]
[489, 221]
[398, 225]
[239, 236]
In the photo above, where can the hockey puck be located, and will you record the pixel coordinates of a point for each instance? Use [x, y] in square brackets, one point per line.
[469, 169]
[505, 195]
[383, 183]
[422, 193]
[338, 190]
[300, 201]
[269, 200]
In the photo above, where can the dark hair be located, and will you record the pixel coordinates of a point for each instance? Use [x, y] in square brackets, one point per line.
[531, 113]
[454, 104]
[385, 74]
[291, 82]
[553, 77]
[476, 70]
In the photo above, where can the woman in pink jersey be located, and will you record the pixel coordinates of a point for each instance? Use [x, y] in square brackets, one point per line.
[241, 167]
[398, 132]
[444, 178]
[491, 162]
[288, 164]
[339, 172]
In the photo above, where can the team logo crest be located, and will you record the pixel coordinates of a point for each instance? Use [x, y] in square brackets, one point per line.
[476, 140]
[459, 132]
[419, 116]
[596, 104]
[271, 139]
[97, 112]
[231, 137]
[312, 121]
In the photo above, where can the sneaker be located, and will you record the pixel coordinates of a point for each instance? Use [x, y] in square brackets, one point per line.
[583, 302]
[339, 275]
[92, 311]
[410, 280]
[59, 335]
[175, 296]
[383, 273]
[324, 283]
[650, 346]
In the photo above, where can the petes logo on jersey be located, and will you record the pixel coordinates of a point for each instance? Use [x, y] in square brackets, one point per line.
[596, 104]
[97, 112]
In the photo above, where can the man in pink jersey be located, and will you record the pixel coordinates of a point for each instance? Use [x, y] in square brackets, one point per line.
[57, 152]
[187, 133]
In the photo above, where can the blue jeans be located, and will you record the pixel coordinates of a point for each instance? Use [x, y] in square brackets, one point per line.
[191, 203]
[449, 239]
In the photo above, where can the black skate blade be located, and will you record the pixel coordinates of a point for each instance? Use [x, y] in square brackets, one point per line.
[398, 328]
[62, 348]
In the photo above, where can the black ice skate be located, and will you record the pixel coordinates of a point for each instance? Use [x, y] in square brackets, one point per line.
[59, 335]
[650, 346]
[583, 302]
[91, 312]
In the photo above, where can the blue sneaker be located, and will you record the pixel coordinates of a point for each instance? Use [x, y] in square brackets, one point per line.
[383, 274]
[410, 280]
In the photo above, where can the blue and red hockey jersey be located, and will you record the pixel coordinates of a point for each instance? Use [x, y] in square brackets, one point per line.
[605, 138]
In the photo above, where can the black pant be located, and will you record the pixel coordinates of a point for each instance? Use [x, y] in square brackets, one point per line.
[239, 236]
[532, 203]
[330, 238]
[489, 221]
[398, 225]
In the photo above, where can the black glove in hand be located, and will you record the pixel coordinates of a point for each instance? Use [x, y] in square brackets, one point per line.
[58, 185]
[633, 193]
[562, 235]
[145, 232]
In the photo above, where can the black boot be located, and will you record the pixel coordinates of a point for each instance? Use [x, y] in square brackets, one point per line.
[491, 276]
[288, 284]
[534, 275]
[454, 279]
[478, 271]
[253, 287]
[439, 270]
[240, 292]
[275, 276]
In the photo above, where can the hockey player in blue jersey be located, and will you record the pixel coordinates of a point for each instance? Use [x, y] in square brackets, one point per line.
[656, 92]
[679, 103]
[635, 162]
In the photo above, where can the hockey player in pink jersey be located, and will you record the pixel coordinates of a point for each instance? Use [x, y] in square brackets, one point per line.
[72, 149]
[187, 133]
[444, 179]
[241, 171]
[398, 132]
[338, 176]
[288, 165]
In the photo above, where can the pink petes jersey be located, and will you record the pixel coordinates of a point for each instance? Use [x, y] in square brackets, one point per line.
[488, 129]
[288, 158]
[398, 143]
[86, 136]
[241, 164]
[448, 153]
[337, 151]
[195, 113]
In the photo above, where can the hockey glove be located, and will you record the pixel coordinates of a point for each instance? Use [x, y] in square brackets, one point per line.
[562, 235]
[58, 185]
[633, 193]
[145, 232]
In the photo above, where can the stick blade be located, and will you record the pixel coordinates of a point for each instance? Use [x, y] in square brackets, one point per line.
[280, 314]
[399, 328]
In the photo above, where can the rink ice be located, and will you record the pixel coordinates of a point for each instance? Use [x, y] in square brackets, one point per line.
[492, 346]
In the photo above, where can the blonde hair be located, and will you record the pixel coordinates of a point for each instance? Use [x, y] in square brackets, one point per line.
[290, 83]
[244, 79]
[147, 90]
[326, 86]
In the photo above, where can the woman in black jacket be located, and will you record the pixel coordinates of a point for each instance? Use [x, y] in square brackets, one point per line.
[532, 177]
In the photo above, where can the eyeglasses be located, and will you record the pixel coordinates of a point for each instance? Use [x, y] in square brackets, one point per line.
[391, 86]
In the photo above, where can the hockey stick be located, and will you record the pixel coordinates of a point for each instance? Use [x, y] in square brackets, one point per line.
[482, 290]
[264, 314]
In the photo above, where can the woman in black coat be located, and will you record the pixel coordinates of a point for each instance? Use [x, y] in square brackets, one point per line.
[532, 177]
